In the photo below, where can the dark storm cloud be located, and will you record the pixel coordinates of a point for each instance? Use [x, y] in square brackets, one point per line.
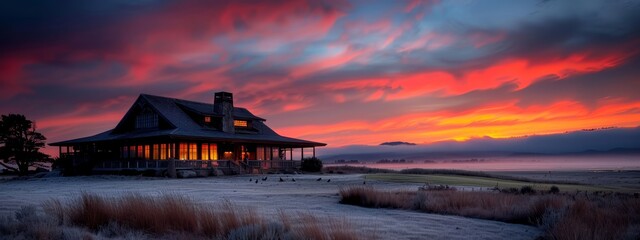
[88, 24]
[357, 70]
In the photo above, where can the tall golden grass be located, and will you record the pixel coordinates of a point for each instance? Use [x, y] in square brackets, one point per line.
[180, 217]
[582, 216]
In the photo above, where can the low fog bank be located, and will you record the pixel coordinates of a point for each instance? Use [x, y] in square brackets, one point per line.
[591, 142]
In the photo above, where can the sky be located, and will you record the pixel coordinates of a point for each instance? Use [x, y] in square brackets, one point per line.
[339, 72]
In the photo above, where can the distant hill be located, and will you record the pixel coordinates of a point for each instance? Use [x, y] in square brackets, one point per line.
[606, 141]
[396, 143]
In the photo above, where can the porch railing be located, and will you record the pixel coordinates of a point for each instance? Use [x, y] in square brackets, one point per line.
[160, 164]
[275, 164]
[163, 164]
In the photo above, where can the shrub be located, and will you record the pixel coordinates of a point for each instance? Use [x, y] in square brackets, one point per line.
[129, 172]
[527, 190]
[150, 173]
[312, 164]
[554, 189]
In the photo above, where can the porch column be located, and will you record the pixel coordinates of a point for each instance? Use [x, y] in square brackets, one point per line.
[270, 157]
[176, 150]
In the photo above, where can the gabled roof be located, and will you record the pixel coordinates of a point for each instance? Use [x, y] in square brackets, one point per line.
[182, 126]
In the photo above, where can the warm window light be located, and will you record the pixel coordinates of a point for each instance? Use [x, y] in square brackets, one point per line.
[228, 155]
[240, 123]
[207, 119]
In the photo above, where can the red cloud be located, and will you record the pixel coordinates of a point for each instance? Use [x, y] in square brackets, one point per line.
[500, 120]
[520, 71]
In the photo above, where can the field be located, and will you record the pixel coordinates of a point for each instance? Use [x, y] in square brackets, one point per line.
[489, 182]
[268, 198]
[318, 196]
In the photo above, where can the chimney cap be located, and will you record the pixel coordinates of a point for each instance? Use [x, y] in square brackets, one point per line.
[221, 97]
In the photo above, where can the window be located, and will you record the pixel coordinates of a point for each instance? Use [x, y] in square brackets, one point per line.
[228, 155]
[213, 151]
[260, 153]
[156, 152]
[184, 155]
[146, 119]
[140, 152]
[193, 151]
[205, 151]
[124, 152]
[207, 119]
[132, 152]
[163, 151]
[240, 123]
[147, 151]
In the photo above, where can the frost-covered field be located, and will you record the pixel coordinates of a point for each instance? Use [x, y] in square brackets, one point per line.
[305, 195]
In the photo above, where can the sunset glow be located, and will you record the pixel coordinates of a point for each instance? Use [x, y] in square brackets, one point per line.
[338, 72]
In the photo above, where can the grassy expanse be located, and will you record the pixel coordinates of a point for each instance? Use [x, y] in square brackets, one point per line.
[164, 217]
[562, 216]
[473, 181]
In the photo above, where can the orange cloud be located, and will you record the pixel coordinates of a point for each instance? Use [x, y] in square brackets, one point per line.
[496, 120]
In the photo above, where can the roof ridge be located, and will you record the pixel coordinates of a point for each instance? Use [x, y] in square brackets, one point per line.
[171, 98]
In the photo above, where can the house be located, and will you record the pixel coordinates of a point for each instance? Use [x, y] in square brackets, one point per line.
[158, 130]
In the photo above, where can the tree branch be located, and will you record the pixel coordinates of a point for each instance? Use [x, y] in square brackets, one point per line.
[8, 167]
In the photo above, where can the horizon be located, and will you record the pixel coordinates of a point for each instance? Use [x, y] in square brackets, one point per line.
[340, 72]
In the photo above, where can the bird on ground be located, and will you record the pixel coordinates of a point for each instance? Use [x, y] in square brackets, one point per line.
[281, 180]
[293, 179]
[264, 179]
[319, 179]
[364, 182]
[256, 181]
[250, 179]
[329, 180]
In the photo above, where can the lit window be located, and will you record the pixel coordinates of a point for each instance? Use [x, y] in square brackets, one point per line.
[207, 119]
[193, 151]
[205, 151]
[213, 151]
[240, 123]
[147, 152]
[183, 151]
[163, 151]
[156, 152]
[140, 151]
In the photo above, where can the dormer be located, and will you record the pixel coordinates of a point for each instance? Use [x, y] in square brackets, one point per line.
[140, 117]
[146, 119]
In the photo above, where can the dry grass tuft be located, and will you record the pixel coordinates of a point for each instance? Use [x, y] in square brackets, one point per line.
[563, 216]
[136, 216]
[325, 229]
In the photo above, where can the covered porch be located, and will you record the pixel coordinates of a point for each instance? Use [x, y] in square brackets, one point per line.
[241, 157]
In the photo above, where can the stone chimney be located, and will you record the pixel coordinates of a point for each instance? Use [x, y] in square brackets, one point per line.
[223, 104]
